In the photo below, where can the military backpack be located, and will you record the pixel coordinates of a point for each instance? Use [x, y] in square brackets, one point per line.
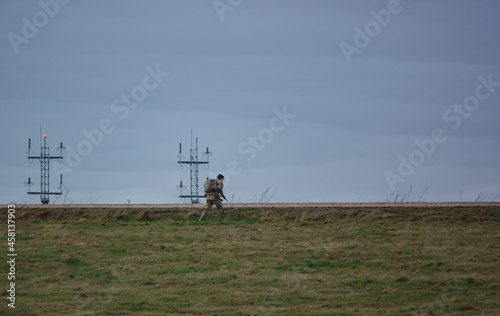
[210, 186]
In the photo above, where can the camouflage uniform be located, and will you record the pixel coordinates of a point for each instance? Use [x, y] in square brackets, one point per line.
[214, 198]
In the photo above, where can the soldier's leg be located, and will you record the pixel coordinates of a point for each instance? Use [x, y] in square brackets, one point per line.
[205, 211]
[221, 211]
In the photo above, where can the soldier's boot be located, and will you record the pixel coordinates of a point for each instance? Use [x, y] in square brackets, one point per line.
[222, 215]
[204, 215]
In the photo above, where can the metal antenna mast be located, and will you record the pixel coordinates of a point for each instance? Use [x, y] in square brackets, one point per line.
[44, 174]
[193, 163]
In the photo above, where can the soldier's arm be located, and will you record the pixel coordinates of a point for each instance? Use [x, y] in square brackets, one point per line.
[220, 185]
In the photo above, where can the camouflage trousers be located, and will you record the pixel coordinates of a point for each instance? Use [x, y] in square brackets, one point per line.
[209, 204]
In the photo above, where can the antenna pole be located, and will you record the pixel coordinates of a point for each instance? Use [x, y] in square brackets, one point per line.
[44, 159]
[193, 163]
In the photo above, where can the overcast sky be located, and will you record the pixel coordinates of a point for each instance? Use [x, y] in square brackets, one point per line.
[309, 101]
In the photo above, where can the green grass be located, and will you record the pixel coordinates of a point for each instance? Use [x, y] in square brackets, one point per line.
[283, 262]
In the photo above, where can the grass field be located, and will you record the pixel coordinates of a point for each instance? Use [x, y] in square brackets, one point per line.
[269, 261]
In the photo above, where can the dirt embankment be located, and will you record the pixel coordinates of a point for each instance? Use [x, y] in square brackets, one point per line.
[265, 205]
[318, 212]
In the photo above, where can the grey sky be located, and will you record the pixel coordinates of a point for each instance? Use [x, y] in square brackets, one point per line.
[350, 120]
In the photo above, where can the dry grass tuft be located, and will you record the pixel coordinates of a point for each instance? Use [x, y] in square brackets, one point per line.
[143, 216]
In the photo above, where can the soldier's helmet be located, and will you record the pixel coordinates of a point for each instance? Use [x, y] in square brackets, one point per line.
[220, 176]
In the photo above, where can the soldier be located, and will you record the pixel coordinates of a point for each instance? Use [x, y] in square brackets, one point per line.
[214, 198]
